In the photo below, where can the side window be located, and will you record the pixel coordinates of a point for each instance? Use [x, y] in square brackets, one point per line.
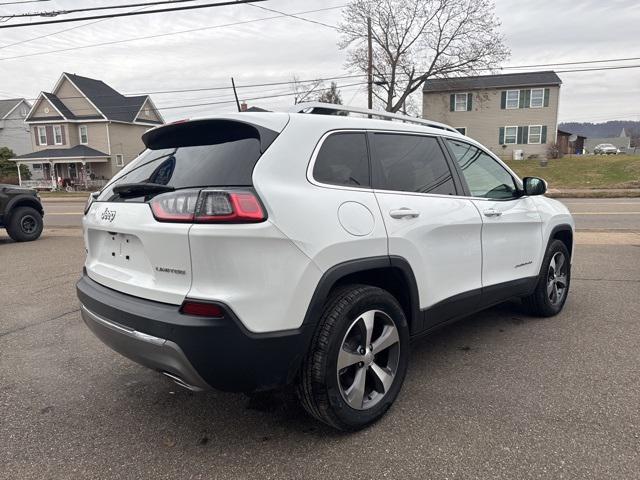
[411, 163]
[485, 177]
[343, 160]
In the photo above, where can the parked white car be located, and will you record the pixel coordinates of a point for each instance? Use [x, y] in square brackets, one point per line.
[606, 149]
[249, 251]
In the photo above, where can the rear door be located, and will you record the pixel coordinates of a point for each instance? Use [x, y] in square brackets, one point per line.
[512, 227]
[129, 248]
[427, 224]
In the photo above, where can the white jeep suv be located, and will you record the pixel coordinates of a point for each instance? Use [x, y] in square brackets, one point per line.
[250, 251]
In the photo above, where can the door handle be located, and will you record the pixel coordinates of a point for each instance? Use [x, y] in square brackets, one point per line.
[404, 213]
[492, 212]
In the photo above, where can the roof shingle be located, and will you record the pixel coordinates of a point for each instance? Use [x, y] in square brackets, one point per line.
[79, 151]
[526, 79]
[7, 105]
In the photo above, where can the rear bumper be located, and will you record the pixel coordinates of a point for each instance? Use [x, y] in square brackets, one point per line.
[199, 353]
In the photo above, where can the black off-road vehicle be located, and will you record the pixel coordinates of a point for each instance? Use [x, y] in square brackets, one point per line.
[20, 213]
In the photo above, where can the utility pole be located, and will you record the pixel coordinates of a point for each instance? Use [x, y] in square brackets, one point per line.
[235, 93]
[370, 66]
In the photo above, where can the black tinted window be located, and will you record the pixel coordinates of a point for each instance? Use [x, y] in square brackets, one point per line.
[411, 163]
[343, 160]
[485, 177]
[225, 164]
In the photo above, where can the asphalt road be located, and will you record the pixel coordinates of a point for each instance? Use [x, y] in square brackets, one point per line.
[590, 213]
[500, 395]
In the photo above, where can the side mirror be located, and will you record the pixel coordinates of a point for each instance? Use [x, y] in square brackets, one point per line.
[534, 186]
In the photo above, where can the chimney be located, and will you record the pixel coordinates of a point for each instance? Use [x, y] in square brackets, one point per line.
[244, 107]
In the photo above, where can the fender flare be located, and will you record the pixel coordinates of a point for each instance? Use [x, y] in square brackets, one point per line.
[562, 227]
[334, 274]
[26, 200]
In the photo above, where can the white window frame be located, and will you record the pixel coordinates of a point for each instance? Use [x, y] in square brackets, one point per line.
[515, 136]
[539, 135]
[531, 105]
[86, 134]
[42, 133]
[57, 129]
[119, 160]
[455, 103]
[506, 103]
[461, 128]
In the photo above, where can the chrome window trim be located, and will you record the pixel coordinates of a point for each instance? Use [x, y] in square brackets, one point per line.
[446, 136]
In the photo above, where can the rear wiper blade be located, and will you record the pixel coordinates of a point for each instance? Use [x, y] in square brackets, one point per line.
[132, 190]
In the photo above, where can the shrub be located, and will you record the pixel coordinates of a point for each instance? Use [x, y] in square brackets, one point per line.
[554, 151]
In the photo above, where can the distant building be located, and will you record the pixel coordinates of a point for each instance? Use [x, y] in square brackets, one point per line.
[84, 131]
[14, 134]
[569, 147]
[622, 142]
[517, 111]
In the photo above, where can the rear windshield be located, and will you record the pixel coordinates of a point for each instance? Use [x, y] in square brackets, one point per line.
[188, 158]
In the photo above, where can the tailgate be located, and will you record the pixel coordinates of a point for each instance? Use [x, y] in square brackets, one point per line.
[129, 251]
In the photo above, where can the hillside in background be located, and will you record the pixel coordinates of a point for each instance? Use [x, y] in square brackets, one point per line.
[602, 130]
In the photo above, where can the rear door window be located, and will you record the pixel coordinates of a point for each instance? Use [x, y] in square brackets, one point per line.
[411, 163]
[343, 159]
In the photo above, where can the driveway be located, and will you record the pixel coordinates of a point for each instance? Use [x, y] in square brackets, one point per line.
[499, 395]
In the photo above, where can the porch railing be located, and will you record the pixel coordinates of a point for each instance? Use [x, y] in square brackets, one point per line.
[38, 184]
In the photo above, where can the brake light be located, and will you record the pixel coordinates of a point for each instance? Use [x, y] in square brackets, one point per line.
[201, 309]
[218, 206]
[179, 206]
[208, 206]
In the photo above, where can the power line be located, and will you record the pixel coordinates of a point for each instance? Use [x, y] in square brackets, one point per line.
[598, 69]
[573, 63]
[24, 1]
[54, 13]
[159, 35]
[119, 108]
[339, 77]
[293, 15]
[21, 42]
[129, 14]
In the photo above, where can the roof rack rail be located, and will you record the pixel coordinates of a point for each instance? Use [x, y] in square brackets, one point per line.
[309, 107]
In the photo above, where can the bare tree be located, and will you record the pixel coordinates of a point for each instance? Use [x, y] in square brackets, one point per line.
[416, 40]
[331, 95]
[302, 91]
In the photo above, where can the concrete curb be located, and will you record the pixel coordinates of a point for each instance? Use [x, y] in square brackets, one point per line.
[594, 193]
[64, 199]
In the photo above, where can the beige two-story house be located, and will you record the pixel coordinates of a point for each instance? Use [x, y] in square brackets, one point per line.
[509, 113]
[84, 131]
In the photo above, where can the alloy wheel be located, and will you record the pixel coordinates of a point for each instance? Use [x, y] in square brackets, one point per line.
[28, 224]
[557, 278]
[368, 359]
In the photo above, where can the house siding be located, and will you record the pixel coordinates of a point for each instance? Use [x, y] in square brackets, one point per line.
[40, 112]
[14, 134]
[152, 115]
[126, 140]
[97, 132]
[486, 116]
[74, 100]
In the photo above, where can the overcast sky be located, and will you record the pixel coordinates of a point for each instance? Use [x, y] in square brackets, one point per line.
[543, 31]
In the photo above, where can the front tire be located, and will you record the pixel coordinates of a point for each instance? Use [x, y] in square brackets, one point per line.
[552, 288]
[358, 358]
[25, 224]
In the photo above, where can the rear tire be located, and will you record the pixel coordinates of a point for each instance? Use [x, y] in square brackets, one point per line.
[552, 288]
[363, 329]
[25, 224]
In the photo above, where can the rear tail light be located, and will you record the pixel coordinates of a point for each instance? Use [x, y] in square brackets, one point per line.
[208, 206]
[201, 309]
